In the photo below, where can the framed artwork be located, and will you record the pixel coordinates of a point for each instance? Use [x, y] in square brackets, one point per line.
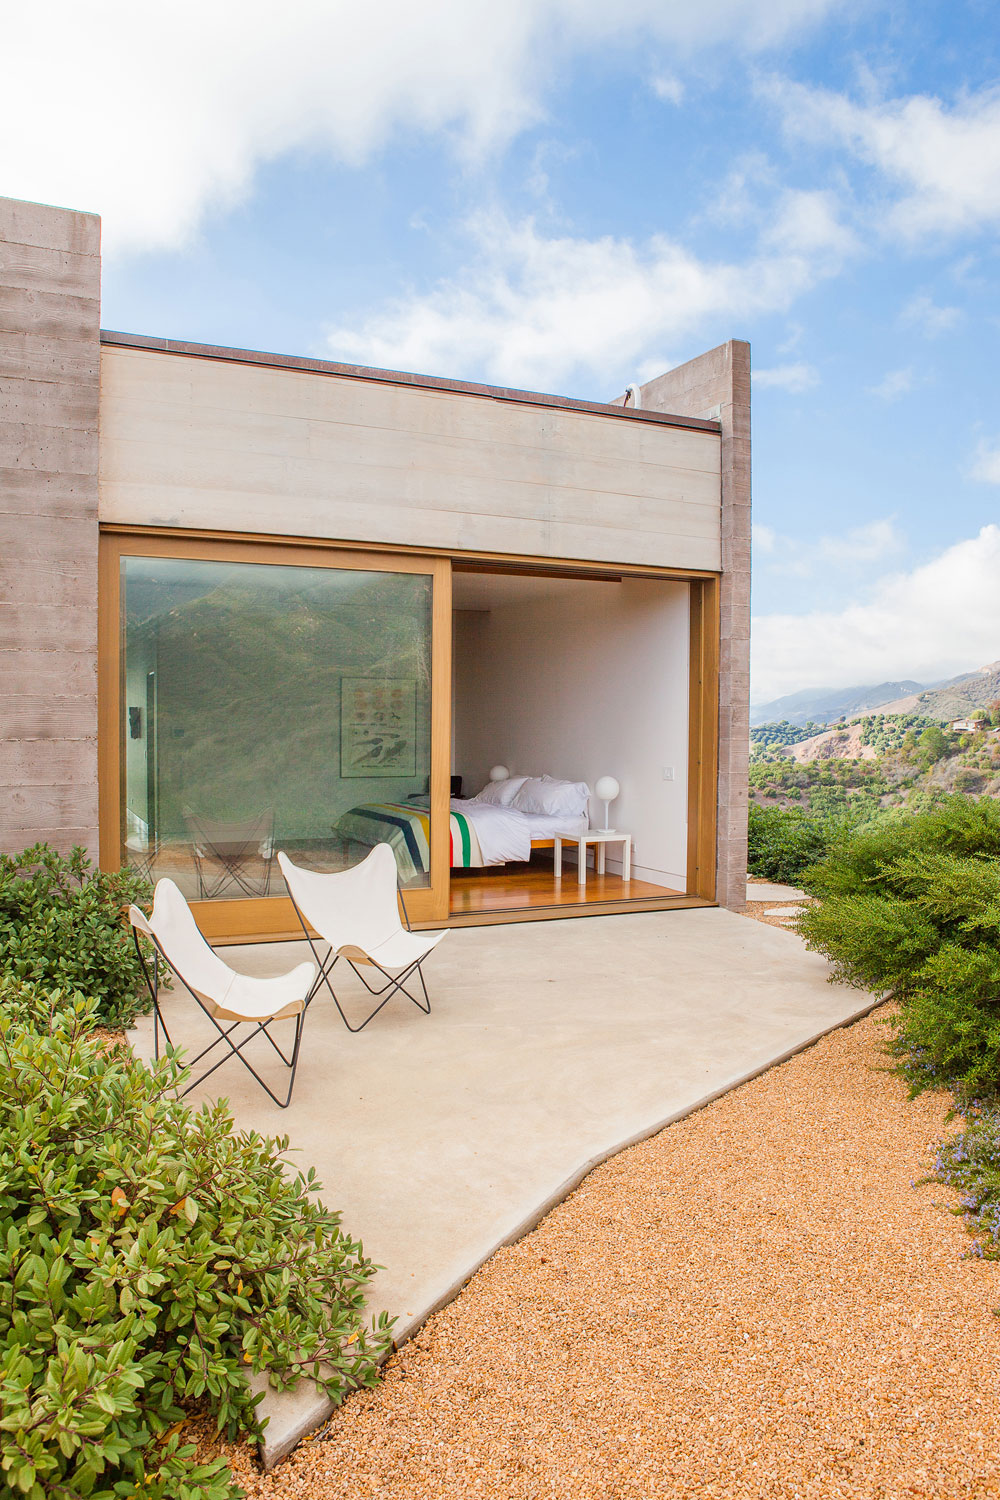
[378, 726]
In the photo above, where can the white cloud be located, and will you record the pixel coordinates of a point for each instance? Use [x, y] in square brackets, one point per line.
[894, 384]
[791, 378]
[861, 546]
[929, 319]
[943, 160]
[809, 223]
[937, 620]
[157, 114]
[986, 465]
[531, 309]
[668, 88]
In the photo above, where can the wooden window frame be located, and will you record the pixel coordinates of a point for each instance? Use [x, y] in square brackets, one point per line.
[272, 918]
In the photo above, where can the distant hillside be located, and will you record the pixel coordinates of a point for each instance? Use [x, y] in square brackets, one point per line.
[825, 705]
[959, 696]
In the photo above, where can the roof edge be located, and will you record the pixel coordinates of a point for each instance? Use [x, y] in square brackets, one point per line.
[398, 377]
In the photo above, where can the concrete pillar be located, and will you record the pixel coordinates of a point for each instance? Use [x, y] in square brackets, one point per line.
[50, 288]
[717, 384]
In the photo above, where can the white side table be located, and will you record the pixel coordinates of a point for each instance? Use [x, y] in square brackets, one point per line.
[600, 838]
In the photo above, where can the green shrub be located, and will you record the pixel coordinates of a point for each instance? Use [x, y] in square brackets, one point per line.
[61, 926]
[152, 1259]
[873, 941]
[912, 905]
[948, 1033]
[783, 842]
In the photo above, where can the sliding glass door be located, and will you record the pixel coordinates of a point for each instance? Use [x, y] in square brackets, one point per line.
[271, 697]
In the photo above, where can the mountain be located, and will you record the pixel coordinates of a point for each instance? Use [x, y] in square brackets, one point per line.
[824, 705]
[960, 695]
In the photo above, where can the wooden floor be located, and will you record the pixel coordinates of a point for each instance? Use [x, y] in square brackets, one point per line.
[516, 887]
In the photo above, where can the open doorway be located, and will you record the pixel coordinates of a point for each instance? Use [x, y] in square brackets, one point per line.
[565, 682]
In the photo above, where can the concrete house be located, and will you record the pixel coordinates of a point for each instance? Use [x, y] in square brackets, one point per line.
[254, 602]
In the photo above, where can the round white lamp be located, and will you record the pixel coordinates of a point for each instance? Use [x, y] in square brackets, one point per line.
[500, 773]
[606, 790]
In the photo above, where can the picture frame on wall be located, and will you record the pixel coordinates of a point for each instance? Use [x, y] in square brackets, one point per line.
[378, 727]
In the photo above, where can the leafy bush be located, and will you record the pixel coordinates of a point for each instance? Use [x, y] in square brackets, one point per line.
[61, 926]
[912, 905]
[152, 1258]
[783, 842]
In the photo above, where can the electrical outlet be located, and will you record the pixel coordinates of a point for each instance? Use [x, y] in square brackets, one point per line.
[668, 773]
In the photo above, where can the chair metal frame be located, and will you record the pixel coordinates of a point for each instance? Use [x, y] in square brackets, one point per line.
[395, 983]
[225, 1033]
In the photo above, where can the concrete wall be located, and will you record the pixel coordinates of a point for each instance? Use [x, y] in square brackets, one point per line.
[717, 384]
[592, 680]
[213, 444]
[50, 284]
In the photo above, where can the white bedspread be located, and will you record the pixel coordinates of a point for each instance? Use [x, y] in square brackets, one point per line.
[505, 834]
[502, 833]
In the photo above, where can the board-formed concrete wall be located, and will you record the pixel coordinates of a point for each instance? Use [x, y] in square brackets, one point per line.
[207, 442]
[50, 287]
[717, 384]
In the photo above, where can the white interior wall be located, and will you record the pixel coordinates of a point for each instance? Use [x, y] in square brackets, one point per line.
[591, 679]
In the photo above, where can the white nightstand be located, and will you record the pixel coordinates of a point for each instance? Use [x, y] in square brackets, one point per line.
[600, 838]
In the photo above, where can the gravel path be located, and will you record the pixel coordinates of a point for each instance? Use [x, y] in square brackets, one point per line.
[754, 1303]
[773, 913]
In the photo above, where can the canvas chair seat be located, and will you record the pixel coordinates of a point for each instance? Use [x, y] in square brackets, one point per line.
[222, 993]
[249, 999]
[356, 914]
[398, 951]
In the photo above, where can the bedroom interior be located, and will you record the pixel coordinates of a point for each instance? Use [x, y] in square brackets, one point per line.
[572, 680]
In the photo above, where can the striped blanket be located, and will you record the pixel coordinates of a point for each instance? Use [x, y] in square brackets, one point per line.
[406, 829]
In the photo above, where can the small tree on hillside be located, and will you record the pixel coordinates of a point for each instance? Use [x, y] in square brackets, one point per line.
[934, 744]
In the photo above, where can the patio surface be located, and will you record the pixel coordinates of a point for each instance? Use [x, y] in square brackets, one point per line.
[551, 1045]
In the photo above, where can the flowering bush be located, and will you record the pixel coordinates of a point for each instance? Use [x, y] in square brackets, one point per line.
[151, 1259]
[970, 1161]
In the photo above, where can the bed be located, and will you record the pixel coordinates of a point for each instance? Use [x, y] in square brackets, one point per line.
[483, 833]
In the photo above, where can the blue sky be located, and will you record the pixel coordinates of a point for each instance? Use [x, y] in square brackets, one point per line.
[555, 195]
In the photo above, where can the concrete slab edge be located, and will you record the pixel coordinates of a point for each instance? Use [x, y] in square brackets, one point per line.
[277, 1445]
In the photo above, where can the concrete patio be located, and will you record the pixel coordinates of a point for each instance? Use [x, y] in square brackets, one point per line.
[551, 1045]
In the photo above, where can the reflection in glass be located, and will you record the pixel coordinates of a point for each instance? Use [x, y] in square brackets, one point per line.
[270, 707]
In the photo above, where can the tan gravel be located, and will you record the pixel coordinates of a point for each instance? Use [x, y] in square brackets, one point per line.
[756, 1302]
[774, 913]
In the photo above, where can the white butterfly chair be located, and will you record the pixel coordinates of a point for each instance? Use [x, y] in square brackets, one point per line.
[356, 913]
[223, 995]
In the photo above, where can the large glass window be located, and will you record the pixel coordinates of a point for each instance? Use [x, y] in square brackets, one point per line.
[267, 707]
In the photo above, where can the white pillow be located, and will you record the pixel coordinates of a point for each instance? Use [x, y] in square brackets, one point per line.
[556, 799]
[501, 793]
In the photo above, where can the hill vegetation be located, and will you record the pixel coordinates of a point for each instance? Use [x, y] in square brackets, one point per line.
[855, 776]
[912, 762]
